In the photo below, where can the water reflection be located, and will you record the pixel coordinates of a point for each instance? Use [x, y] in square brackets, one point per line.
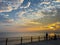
[51, 34]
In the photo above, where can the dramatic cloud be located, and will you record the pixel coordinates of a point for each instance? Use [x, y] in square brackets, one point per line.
[14, 3]
[30, 16]
[4, 7]
[26, 5]
[9, 5]
[45, 11]
[58, 0]
[49, 11]
[5, 19]
[46, 3]
[21, 13]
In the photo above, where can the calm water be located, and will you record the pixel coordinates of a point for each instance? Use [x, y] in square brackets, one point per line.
[18, 34]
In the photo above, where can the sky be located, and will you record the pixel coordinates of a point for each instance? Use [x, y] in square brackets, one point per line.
[29, 15]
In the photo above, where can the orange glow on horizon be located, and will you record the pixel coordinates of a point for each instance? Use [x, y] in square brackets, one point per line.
[25, 28]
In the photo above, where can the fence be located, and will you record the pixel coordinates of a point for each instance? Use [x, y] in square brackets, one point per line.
[21, 40]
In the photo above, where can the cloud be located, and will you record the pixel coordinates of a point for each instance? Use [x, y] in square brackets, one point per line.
[32, 23]
[0, 0]
[56, 4]
[58, 0]
[48, 0]
[5, 19]
[20, 13]
[9, 5]
[26, 5]
[15, 3]
[46, 20]
[45, 3]
[49, 11]
[39, 14]
[25, 17]
[4, 7]
[49, 8]
[29, 14]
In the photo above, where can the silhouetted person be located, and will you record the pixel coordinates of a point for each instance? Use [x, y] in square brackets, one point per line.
[46, 36]
[55, 37]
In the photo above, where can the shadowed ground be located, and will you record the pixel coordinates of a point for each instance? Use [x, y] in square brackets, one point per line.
[47, 42]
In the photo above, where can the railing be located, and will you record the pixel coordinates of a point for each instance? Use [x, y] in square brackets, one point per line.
[21, 40]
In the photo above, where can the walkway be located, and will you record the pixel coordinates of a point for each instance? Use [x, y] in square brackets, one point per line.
[49, 42]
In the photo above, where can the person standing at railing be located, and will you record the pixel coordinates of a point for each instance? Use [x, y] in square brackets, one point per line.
[46, 36]
[55, 37]
[6, 41]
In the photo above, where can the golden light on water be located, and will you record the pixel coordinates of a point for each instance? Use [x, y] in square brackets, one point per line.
[51, 34]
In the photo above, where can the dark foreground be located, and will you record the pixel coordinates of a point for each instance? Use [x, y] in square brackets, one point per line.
[46, 42]
[32, 40]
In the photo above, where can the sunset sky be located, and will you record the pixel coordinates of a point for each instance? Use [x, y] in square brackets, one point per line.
[29, 15]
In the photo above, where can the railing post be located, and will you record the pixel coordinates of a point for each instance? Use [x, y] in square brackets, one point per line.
[6, 41]
[21, 40]
[31, 39]
[39, 38]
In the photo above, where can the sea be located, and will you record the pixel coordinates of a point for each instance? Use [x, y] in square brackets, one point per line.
[19, 34]
[22, 34]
